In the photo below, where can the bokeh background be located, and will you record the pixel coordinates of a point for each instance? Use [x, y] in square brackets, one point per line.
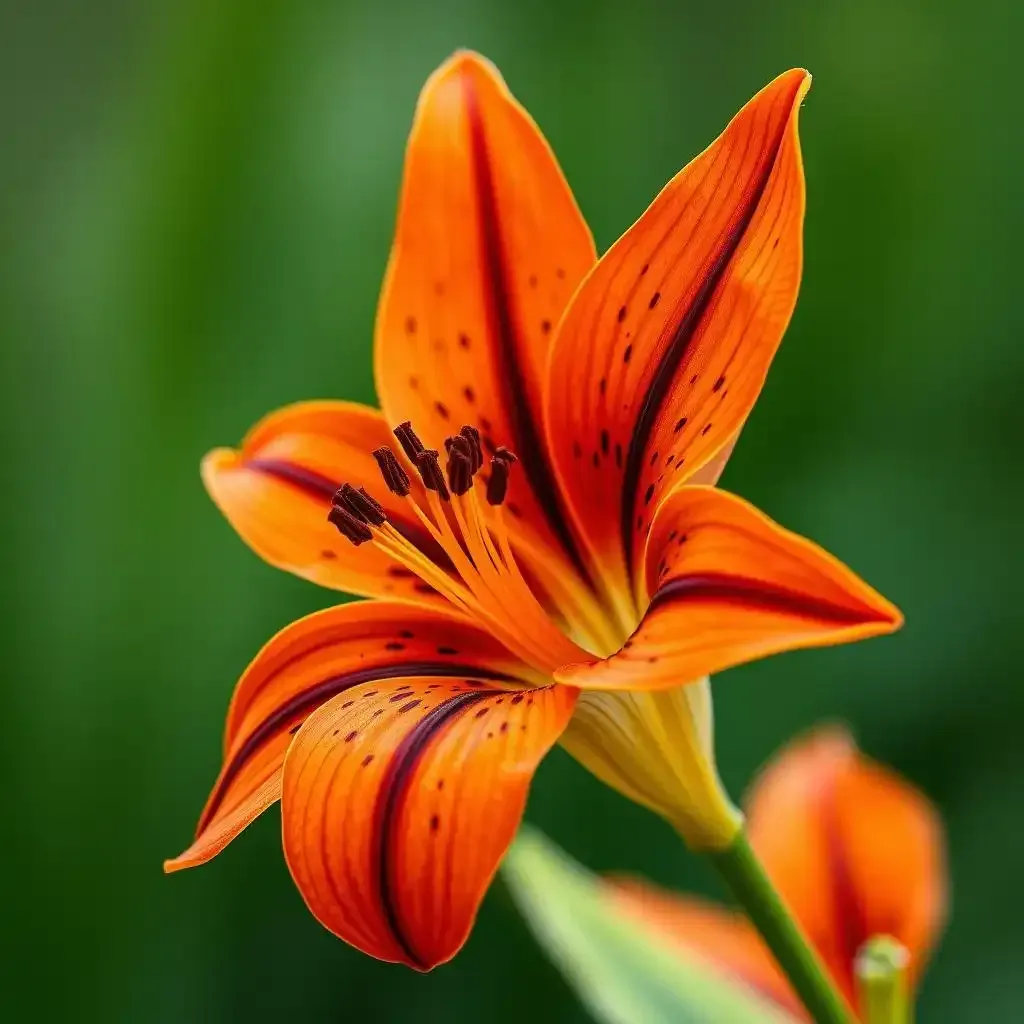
[196, 202]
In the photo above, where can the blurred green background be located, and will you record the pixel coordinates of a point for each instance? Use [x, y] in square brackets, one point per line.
[196, 202]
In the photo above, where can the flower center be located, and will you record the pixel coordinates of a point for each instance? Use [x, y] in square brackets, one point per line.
[487, 583]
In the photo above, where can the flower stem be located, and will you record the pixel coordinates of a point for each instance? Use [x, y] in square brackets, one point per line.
[746, 878]
[881, 970]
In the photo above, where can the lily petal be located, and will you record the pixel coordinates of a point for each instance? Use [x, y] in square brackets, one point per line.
[666, 345]
[306, 664]
[276, 492]
[699, 927]
[489, 246]
[729, 586]
[399, 802]
[855, 850]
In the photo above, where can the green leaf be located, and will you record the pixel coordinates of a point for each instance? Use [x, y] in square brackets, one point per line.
[620, 972]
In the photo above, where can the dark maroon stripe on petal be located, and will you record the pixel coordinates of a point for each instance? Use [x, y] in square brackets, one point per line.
[393, 788]
[760, 594]
[310, 699]
[675, 351]
[528, 444]
[318, 486]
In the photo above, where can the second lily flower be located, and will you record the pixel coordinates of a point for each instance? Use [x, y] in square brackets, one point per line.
[581, 590]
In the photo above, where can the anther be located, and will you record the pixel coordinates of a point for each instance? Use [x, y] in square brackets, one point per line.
[407, 438]
[349, 526]
[503, 453]
[430, 471]
[472, 436]
[363, 505]
[395, 477]
[497, 485]
[460, 478]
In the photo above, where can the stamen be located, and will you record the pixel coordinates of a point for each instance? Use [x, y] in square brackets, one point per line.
[472, 436]
[395, 477]
[430, 471]
[460, 478]
[407, 438]
[497, 485]
[349, 526]
[363, 505]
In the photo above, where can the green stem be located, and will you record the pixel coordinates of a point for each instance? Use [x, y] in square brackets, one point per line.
[743, 874]
[881, 970]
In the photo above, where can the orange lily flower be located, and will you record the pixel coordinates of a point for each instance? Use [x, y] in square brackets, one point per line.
[854, 850]
[563, 593]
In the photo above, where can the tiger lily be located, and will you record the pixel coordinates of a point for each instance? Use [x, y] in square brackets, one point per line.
[560, 593]
[855, 851]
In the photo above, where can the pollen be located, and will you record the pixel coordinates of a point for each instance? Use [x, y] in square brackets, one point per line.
[462, 507]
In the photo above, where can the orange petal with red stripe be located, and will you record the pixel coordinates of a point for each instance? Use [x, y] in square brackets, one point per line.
[728, 585]
[698, 927]
[855, 850]
[664, 348]
[398, 807]
[276, 492]
[489, 246]
[314, 659]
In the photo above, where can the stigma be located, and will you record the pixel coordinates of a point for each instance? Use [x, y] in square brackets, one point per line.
[461, 506]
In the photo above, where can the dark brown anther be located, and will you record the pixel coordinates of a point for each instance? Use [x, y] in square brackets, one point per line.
[503, 453]
[472, 436]
[349, 526]
[430, 471]
[395, 476]
[407, 438]
[363, 505]
[460, 479]
[497, 485]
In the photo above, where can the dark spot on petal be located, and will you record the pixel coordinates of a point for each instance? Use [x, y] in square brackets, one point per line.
[560, 273]
[439, 287]
[295, 728]
[408, 707]
[654, 458]
[596, 459]
[482, 712]
[628, 354]
[328, 556]
[469, 394]
[717, 386]
[680, 423]
[533, 281]
[693, 379]
[517, 699]
[603, 385]
[447, 650]
[400, 572]
[485, 424]
[351, 736]
[648, 494]
[622, 313]
[378, 713]
[394, 645]
[670, 458]
[504, 727]
[545, 327]
[463, 341]
[335, 733]
[682, 539]
[435, 823]
[414, 383]
[440, 784]
[490, 735]
[604, 441]
[347, 704]
[370, 693]
[705, 430]
[406, 634]
[367, 760]
[442, 410]
[577, 450]
[655, 299]
[410, 325]
[652, 660]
